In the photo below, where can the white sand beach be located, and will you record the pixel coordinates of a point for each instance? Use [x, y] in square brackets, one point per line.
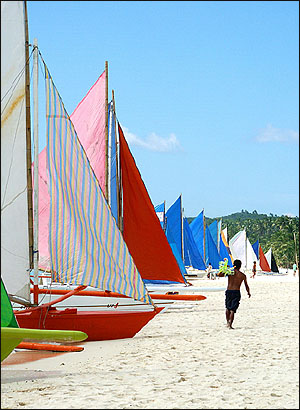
[183, 359]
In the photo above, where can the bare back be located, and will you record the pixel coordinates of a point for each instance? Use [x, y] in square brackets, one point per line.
[235, 281]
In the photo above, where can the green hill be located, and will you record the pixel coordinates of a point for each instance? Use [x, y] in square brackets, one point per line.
[271, 231]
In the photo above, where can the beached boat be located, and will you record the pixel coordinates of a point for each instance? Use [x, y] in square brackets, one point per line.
[205, 241]
[12, 335]
[181, 237]
[263, 265]
[271, 261]
[125, 192]
[242, 249]
[86, 247]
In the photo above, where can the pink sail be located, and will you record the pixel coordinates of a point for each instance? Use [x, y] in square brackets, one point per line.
[89, 121]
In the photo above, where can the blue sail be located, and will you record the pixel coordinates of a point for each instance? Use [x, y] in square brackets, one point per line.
[224, 252]
[175, 250]
[255, 247]
[197, 228]
[211, 252]
[213, 228]
[173, 216]
[192, 256]
[160, 212]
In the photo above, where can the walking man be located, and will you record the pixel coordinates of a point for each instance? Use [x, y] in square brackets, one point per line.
[253, 270]
[294, 269]
[233, 293]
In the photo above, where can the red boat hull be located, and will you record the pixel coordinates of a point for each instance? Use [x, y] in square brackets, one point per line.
[99, 325]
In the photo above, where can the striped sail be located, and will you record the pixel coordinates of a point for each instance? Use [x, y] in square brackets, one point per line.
[88, 119]
[85, 244]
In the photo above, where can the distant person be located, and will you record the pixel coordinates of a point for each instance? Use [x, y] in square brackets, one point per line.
[233, 293]
[294, 269]
[209, 271]
[254, 269]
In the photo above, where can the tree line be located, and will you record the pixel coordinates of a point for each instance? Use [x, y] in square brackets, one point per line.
[281, 233]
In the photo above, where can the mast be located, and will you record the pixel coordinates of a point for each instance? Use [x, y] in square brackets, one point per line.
[204, 237]
[164, 220]
[181, 217]
[28, 142]
[219, 225]
[246, 267]
[35, 171]
[296, 250]
[117, 163]
[109, 154]
[106, 130]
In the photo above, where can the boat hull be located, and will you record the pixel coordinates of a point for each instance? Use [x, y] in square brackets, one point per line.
[98, 325]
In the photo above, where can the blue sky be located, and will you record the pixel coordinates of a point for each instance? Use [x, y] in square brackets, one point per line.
[207, 93]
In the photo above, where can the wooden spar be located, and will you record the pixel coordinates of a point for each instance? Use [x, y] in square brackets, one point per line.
[245, 247]
[219, 225]
[204, 237]
[296, 250]
[66, 295]
[181, 220]
[99, 293]
[164, 220]
[35, 171]
[109, 154]
[28, 142]
[117, 163]
[106, 130]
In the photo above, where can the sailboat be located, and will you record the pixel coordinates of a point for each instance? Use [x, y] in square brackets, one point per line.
[262, 264]
[12, 335]
[160, 211]
[242, 249]
[178, 231]
[225, 251]
[222, 250]
[271, 261]
[206, 238]
[102, 137]
[86, 247]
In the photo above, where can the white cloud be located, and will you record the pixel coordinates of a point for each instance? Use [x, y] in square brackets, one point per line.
[270, 134]
[153, 142]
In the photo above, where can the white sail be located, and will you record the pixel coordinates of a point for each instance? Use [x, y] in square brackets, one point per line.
[268, 256]
[14, 207]
[242, 249]
[237, 246]
[250, 256]
[225, 233]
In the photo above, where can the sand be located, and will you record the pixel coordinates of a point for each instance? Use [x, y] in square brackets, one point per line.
[185, 358]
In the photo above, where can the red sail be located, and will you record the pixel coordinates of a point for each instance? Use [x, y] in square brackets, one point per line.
[263, 261]
[146, 241]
